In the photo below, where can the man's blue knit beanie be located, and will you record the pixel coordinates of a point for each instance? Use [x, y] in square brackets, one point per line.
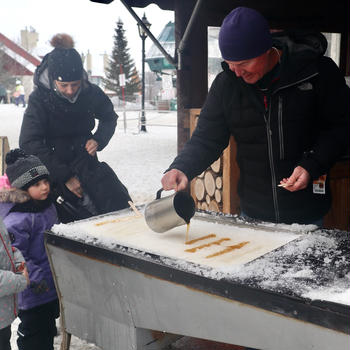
[244, 34]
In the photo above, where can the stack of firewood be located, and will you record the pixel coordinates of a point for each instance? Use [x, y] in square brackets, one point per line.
[207, 188]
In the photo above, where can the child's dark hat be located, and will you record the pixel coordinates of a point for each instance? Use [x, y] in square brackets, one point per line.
[24, 170]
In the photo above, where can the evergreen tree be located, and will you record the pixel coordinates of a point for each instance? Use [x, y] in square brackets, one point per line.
[120, 62]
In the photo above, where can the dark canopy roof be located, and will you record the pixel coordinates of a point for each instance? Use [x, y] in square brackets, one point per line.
[324, 15]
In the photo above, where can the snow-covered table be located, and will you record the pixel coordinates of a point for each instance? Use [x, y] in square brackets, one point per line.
[260, 285]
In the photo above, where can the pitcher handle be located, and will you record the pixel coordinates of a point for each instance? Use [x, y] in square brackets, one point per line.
[159, 193]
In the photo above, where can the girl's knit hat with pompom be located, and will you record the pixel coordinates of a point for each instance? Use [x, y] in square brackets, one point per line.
[64, 62]
[24, 170]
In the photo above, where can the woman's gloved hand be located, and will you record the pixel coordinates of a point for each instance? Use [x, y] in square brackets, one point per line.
[73, 184]
[40, 287]
[91, 146]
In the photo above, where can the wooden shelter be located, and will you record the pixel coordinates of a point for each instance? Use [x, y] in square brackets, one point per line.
[192, 18]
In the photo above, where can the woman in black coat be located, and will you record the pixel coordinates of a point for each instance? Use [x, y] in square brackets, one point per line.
[58, 127]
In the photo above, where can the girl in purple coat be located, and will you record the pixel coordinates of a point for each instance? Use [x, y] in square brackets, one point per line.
[27, 212]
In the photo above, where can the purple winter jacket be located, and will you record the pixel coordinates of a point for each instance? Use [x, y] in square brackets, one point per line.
[26, 228]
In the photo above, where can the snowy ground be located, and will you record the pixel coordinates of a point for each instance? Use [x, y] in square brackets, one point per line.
[139, 159]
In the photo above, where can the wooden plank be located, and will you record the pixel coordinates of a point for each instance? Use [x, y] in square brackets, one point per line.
[4, 148]
[230, 178]
[194, 113]
[339, 215]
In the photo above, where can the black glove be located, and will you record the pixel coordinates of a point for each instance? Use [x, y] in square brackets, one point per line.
[39, 288]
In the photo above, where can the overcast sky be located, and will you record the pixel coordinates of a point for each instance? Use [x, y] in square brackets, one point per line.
[90, 24]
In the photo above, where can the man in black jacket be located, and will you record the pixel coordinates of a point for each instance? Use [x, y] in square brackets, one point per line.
[58, 127]
[287, 106]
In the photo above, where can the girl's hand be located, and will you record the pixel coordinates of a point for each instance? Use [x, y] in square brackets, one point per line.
[26, 275]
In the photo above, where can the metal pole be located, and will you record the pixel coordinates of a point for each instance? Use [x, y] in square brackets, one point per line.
[143, 117]
[184, 41]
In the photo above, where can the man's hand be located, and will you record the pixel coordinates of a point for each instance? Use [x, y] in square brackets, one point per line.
[91, 147]
[297, 181]
[73, 184]
[174, 180]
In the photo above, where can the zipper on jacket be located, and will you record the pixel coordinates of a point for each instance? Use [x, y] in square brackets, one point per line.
[269, 138]
[280, 110]
[270, 152]
[280, 127]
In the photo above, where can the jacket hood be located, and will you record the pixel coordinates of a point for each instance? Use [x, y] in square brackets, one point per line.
[9, 198]
[301, 50]
[42, 79]
[13, 195]
[18, 200]
[307, 45]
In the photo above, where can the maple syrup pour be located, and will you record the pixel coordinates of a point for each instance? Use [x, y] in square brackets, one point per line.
[218, 242]
[187, 230]
[212, 235]
[127, 218]
[228, 249]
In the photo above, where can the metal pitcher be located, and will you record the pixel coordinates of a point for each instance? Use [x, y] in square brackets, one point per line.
[166, 213]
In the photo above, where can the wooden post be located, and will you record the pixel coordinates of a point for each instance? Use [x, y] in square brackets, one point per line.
[339, 215]
[4, 148]
[230, 176]
[194, 67]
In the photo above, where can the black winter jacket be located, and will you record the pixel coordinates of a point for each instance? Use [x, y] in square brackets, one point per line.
[304, 121]
[56, 130]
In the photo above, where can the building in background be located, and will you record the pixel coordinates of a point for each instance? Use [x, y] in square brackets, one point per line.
[17, 63]
[95, 66]
[21, 59]
[164, 71]
[29, 39]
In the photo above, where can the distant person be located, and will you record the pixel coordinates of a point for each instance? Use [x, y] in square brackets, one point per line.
[58, 127]
[13, 279]
[3, 94]
[287, 106]
[27, 211]
[19, 94]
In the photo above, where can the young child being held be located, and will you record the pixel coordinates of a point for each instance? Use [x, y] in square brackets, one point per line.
[13, 279]
[27, 212]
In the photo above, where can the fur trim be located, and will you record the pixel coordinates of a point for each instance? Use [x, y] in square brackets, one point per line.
[14, 195]
[62, 41]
